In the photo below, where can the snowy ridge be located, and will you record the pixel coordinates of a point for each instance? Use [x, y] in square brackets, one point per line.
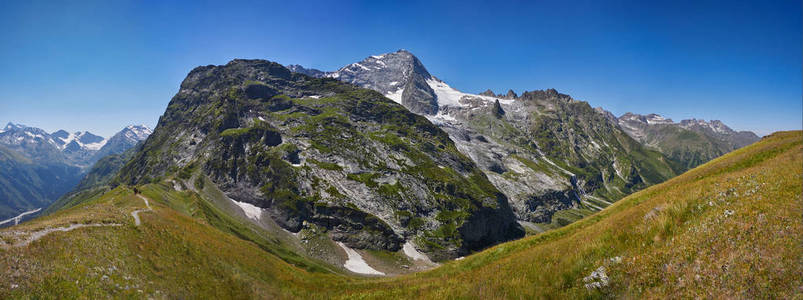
[76, 138]
[138, 132]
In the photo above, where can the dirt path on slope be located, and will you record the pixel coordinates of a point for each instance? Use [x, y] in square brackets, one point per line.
[25, 238]
[135, 213]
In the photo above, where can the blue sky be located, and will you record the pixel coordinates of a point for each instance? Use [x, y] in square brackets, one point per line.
[102, 65]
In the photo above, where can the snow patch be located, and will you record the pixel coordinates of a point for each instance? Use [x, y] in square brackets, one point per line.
[95, 146]
[251, 211]
[356, 264]
[447, 96]
[411, 252]
[396, 96]
[35, 135]
[361, 66]
[441, 118]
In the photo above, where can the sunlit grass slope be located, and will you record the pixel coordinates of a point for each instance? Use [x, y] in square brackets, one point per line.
[728, 229]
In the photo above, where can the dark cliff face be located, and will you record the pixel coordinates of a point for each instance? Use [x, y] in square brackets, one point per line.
[324, 153]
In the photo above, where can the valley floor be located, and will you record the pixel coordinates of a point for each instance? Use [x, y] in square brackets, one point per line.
[728, 229]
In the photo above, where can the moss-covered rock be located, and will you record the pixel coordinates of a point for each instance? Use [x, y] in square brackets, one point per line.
[322, 152]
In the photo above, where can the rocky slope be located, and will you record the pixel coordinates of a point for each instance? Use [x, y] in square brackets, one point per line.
[317, 153]
[544, 150]
[688, 143]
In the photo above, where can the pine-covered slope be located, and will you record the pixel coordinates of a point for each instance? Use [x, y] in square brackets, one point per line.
[318, 153]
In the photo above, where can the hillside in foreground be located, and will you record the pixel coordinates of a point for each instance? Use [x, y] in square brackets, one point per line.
[727, 229]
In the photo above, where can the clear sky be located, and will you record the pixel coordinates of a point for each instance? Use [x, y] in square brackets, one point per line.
[99, 66]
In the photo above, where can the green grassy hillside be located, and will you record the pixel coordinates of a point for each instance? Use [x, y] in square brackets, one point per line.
[727, 229]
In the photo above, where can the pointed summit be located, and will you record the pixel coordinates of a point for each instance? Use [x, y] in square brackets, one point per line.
[488, 93]
[497, 110]
[12, 126]
[309, 72]
[511, 94]
[400, 75]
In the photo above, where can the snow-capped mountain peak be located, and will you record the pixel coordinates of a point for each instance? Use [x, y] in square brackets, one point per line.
[11, 126]
[76, 141]
[715, 125]
[137, 132]
[402, 77]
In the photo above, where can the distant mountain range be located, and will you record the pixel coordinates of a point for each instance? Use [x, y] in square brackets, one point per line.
[689, 143]
[80, 149]
[37, 167]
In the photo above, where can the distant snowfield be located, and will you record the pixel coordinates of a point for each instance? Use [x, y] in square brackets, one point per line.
[251, 211]
[356, 264]
[449, 96]
[76, 137]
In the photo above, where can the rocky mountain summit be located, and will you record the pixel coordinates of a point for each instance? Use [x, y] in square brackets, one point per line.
[688, 143]
[309, 72]
[510, 94]
[718, 130]
[317, 154]
[544, 150]
[398, 75]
